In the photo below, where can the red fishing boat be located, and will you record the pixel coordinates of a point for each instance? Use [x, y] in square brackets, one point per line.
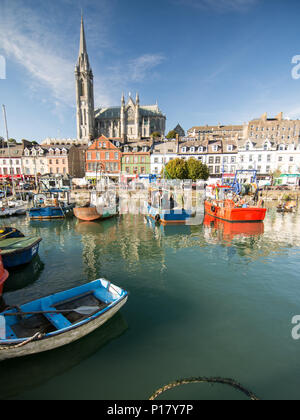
[229, 211]
[3, 276]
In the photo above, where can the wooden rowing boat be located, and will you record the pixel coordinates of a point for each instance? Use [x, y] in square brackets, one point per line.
[19, 251]
[54, 321]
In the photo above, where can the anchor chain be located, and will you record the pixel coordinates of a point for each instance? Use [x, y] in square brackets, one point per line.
[229, 382]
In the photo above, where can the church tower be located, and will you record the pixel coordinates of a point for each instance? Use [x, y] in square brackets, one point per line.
[84, 92]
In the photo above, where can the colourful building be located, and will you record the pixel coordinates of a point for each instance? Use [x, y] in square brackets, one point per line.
[103, 158]
[136, 159]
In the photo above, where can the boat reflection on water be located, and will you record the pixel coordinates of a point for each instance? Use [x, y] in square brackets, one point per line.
[21, 375]
[168, 230]
[19, 278]
[227, 231]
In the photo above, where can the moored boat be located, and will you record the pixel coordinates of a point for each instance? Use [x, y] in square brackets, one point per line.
[87, 214]
[51, 206]
[19, 251]
[169, 216]
[59, 319]
[229, 211]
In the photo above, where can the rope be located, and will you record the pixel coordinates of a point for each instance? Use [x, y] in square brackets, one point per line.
[229, 382]
[37, 336]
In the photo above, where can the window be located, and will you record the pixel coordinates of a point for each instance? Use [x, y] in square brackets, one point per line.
[218, 160]
[280, 158]
[183, 149]
[89, 156]
[259, 158]
[211, 169]
[233, 159]
[104, 145]
[225, 159]
[127, 159]
[107, 156]
[98, 155]
[155, 160]
[192, 149]
[127, 170]
[266, 146]
[215, 148]
[230, 148]
[269, 158]
[211, 159]
[116, 156]
[56, 161]
[291, 159]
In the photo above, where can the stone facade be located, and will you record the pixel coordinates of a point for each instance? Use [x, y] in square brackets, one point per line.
[131, 121]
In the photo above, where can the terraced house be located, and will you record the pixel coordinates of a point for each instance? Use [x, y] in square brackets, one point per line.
[136, 159]
[103, 157]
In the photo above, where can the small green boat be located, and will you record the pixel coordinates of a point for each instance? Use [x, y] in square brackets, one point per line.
[19, 251]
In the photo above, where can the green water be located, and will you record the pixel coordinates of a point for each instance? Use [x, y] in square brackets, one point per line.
[204, 301]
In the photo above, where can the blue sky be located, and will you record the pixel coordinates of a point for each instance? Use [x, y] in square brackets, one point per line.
[204, 61]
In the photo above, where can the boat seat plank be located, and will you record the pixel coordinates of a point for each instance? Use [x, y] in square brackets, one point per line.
[58, 320]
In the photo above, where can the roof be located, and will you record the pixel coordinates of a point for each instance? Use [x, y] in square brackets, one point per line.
[115, 112]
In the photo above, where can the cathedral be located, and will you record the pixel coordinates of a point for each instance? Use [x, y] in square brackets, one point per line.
[130, 121]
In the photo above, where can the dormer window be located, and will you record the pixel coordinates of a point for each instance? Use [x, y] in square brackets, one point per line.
[135, 150]
[248, 145]
[183, 149]
[215, 148]
[126, 149]
[266, 146]
[57, 151]
[27, 153]
[230, 148]
[282, 147]
[145, 149]
[192, 149]
[200, 149]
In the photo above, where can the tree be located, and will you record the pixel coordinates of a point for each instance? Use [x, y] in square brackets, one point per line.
[156, 134]
[171, 134]
[176, 169]
[197, 170]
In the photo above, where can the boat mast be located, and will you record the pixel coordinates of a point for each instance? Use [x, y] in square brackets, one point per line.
[9, 157]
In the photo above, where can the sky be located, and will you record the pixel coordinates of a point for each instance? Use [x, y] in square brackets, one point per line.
[203, 61]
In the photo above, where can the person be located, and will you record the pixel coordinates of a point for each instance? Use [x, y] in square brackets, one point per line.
[256, 196]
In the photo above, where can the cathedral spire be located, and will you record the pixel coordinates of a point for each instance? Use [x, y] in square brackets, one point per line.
[83, 55]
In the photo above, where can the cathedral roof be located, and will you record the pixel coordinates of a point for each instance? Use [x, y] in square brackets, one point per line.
[115, 112]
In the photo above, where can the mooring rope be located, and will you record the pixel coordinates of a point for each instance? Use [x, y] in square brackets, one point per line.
[229, 382]
[37, 336]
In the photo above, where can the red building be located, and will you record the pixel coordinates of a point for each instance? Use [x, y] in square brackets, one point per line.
[103, 157]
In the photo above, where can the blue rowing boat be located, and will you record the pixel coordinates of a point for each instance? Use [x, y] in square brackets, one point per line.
[59, 319]
[16, 252]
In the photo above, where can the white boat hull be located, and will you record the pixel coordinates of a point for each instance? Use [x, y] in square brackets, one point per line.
[61, 338]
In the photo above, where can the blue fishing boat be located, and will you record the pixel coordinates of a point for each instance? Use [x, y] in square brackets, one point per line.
[50, 207]
[169, 216]
[19, 251]
[59, 319]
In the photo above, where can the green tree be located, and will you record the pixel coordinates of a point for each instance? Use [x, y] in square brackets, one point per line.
[155, 134]
[176, 169]
[171, 134]
[197, 170]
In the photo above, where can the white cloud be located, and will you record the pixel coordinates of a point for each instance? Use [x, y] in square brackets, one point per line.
[139, 68]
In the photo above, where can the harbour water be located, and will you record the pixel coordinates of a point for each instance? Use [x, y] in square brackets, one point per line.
[208, 300]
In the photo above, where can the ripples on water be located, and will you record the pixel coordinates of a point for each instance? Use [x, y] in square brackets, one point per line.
[209, 300]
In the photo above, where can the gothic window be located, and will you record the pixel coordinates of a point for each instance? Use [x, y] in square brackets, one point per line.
[81, 87]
